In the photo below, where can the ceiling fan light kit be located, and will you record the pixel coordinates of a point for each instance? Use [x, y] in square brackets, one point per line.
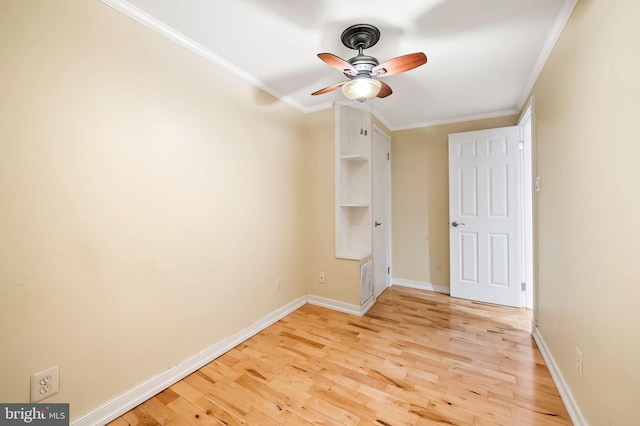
[361, 69]
[361, 89]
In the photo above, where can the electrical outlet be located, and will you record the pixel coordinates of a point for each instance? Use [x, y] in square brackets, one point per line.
[279, 284]
[322, 278]
[579, 360]
[45, 383]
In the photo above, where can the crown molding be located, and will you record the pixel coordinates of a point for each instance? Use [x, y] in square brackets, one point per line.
[163, 29]
[547, 48]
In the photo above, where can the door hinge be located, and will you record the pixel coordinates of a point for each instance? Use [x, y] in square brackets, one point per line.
[388, 270]
[521, 145]
[387, 156]
[523, 286]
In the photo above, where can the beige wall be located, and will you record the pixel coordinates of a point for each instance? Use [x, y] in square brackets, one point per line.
[149, 199]
[589, 208]
[420, 199]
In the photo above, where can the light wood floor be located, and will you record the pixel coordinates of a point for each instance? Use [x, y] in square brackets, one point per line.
[416, 358]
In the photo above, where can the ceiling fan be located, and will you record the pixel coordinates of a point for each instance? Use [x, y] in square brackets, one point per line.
[361, 69]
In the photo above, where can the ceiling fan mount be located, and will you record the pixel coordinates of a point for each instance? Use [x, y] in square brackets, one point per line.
[361, 69]
[360, 36]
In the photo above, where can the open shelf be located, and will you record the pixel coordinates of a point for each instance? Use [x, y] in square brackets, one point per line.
[353, 183]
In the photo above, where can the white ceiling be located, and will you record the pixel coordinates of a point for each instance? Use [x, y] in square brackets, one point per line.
[483, 55]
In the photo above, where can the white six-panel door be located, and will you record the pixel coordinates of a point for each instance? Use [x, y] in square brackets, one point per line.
[484, 216]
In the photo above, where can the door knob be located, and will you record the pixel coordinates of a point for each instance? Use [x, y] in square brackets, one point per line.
[377, 224]
[455, 224]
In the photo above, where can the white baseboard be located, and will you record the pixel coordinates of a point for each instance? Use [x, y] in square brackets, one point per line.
[138, 395]
[563, 388]
[367, 305]
[421, 285]
[336, 305]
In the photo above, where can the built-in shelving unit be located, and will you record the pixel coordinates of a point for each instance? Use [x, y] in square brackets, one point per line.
[353, 182]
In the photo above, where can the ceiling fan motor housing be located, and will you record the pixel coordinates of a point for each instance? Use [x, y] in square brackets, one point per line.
[363, 64]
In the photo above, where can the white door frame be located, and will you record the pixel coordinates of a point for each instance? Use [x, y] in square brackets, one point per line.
[526, 123]
[378, 132]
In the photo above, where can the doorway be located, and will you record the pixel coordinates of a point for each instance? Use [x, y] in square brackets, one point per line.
[491, 211]
[529, 186]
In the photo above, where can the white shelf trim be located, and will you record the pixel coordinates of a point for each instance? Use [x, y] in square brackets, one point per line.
[354, 255]
[354, 157]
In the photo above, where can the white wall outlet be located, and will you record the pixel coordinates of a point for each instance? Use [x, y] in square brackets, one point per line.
[45, 383]
[538, 184]
[579, 360]
[279, 284]
[322, 278]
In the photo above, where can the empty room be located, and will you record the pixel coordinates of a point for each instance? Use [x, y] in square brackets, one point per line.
[341, 213]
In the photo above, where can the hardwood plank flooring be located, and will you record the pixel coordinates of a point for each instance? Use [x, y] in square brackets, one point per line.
[417, 358]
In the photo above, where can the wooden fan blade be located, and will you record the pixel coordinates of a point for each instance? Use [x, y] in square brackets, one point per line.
[338, 63]
[328, 89]
[400, 64]
[385, 90]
